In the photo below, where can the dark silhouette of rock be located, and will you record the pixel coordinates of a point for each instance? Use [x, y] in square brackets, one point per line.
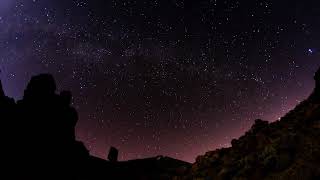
[1, 90]
[285, 149]
[7, 133]
[41, 86]
[38, 141]
[113, 154]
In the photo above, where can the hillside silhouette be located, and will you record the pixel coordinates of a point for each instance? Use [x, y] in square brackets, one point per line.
[38, 141]
[286, 149]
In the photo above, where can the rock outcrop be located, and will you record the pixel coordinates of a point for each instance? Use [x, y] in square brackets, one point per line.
[113, 154]
[38, 141]
[286, 149]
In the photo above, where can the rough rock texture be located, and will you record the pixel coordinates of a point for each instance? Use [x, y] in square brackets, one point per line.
[285, 149]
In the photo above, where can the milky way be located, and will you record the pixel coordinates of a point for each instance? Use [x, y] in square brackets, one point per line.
[168, 77]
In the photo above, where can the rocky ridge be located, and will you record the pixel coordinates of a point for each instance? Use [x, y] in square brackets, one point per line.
[288, 148]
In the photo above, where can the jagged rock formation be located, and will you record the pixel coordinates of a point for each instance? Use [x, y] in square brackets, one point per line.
[38, 141]
[113, 154]
[285, 149]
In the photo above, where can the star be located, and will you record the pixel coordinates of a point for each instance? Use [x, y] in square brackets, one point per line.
[150, 74]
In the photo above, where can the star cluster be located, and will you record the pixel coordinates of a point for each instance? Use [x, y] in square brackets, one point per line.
[170, 77]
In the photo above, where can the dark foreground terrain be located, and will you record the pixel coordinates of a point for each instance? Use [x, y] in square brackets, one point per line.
[286, 149]
[38, 142]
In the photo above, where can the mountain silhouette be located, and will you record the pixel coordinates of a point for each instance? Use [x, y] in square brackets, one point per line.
[38, 141]
[286, 149]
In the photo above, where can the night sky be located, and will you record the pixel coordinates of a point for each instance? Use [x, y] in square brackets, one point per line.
[164, 77]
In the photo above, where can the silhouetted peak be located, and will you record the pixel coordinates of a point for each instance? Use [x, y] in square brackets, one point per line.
[41, 85]
[113, 154]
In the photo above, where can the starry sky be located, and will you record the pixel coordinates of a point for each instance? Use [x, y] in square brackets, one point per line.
[164, 77]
